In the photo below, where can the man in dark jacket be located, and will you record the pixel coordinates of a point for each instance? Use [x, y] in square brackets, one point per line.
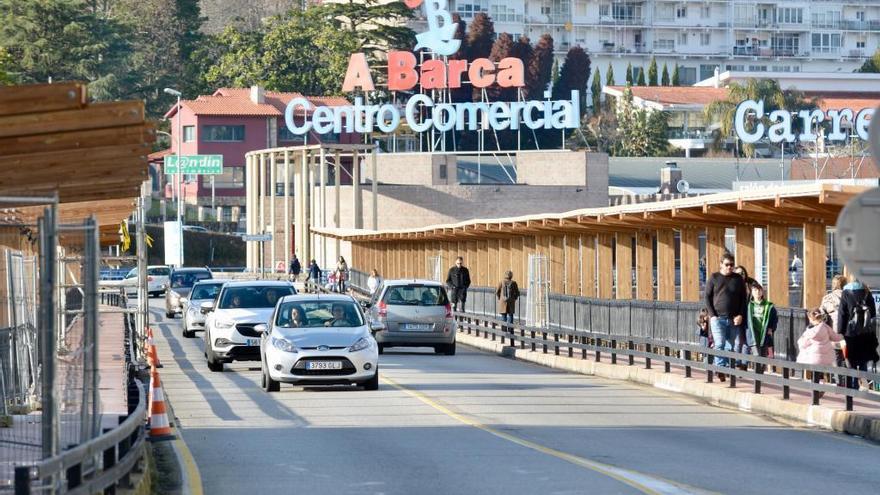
[458, 280]
[314, 272]
[727, 305]
[295, 267]
[507, 293]
[860, 336]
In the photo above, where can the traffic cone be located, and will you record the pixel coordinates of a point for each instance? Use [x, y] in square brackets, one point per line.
[160, 426]
[152, 353]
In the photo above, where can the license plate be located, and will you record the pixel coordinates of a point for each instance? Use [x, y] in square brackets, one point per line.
[324, 365]
[253, 342]
[418, 327]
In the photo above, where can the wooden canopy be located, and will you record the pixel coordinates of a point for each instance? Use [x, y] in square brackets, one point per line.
[93, 156]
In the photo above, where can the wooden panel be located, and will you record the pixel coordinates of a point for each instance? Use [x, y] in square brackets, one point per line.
[665, 265]
[777, 265]
[518, 260]
[480, 267]
[505, 258]
[605, 267]
[814, 264]
[645, 266]
[557, 264]
[470, 260]
[623, 281]
[588, 265]
[77, 140]
[95, 116]
[496, 271]
[745, 249]
[690, 265]
[35, 98]
[572, 264]
[530, 246]
[715, 248]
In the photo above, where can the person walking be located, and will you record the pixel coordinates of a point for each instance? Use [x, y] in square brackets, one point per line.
[740, 344]
[726, 302]
[829, 306]
[314, 273]
[295, 268]
[855, 320]
[458, 279]
[797, 270]
[507, 293]
[816, 344]
[341, 275]
[761, 323]
[374, 281]
[704, 333]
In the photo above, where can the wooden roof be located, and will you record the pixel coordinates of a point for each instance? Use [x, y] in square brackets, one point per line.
[54, 141]
[789, 205]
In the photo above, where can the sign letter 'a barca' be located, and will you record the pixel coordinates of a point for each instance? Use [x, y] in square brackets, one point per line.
[441, 30]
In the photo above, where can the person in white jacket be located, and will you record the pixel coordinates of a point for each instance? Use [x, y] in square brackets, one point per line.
[374, 282]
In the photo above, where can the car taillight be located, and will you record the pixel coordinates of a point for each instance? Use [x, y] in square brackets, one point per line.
[149, 279]
[448, 310]
[383, 309]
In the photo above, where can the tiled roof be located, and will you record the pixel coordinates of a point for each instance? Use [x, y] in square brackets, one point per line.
[159, 155]
[677, 95]
[237, 102]
[840, 99]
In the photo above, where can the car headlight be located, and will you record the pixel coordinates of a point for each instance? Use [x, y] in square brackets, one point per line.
[224, 324]
[174, 296]
[283, 345]
[361, 344]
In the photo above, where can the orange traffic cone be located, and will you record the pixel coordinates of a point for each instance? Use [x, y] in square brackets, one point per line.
[152, 353]
[160, 427]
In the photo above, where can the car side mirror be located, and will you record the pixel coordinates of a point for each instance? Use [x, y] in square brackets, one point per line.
[261, 328]
[376, 326]
[366, 304]
[206, 307]
[183, 300]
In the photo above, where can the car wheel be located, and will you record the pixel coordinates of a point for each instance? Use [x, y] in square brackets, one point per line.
[214, 364]
[372, 383]
[269, 385]
[449, 349]
[169, 315]
[381, 348]
[188, 334]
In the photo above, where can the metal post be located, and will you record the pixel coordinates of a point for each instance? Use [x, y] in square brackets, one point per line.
[356, 190]
[261, 188]
[323, 178]
[90, 305]
[143, 313]
[287, 250]
[375, 188]
[272, 189]
[48, 242]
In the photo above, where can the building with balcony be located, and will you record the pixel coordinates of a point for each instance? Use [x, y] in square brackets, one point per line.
[699, 35]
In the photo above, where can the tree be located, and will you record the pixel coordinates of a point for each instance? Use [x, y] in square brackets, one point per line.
[596, 89]
[63, 40]
[872, 65]
[5, 64]
[504, 47]
[645, 130]
[629, 74]
[464, 93]
[640, 81]
[664, 79]
[609, 76]
[480, 36]
[554, 78]
[652, 72]
[523, 50]
[359, 18]
[539, 69]
[722, 112]
[675, 81]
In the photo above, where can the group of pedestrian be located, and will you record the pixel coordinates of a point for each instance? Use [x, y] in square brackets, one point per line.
[336, 278]
[739, 318]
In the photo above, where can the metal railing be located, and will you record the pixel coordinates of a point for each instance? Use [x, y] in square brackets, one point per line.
[561, 341]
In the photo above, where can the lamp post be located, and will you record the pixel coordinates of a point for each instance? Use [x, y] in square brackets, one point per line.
[178, 94]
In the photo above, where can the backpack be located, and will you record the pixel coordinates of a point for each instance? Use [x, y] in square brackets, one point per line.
[860, 320]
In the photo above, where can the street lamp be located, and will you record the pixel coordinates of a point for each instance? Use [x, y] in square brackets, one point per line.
[178, 94]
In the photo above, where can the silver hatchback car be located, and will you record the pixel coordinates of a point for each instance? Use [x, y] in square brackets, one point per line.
[412, 313]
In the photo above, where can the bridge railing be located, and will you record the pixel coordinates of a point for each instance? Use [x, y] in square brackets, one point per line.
[788, 375]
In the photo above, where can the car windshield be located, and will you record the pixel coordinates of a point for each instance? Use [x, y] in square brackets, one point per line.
[206, 291]
[159, 271]
[318, 314]
[253, 297]
[416, 295]
[188, 279]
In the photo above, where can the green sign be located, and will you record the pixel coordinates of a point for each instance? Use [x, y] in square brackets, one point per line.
[195, 164]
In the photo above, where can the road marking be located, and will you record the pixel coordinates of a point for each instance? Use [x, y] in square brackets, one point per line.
[644, 483]
[193, 477]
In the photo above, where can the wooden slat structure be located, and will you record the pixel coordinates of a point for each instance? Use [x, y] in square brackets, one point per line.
[92, 156]
[602, 247]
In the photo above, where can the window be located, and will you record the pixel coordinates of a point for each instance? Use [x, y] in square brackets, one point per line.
[189, 133]
[683, 39]
[318, 314]
[789, 15]
[285, 135]
[860, 44]
[826, 42]
[604, 10]
[860, 16]
[580, 8]
[159, 271]
[827, 19]
[626, 12]
[415, 295]
[705, 39]
[503, 13]
[705, 12]
[471, 7]
[735, 68]
[206, 291]
[231, 178]
[253, 297]
[222, 133]
[687, 76]
[706, 71]
[757, 68]
[545, 9]
[681, 12]
[664, 44]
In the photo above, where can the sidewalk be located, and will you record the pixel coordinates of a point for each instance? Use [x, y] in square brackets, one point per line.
[831, 414]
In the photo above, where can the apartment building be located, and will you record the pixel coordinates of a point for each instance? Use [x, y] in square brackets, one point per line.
[734, 35]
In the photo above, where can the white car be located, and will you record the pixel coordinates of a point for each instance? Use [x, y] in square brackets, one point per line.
[318, 339]
[204, 291]
[157, 279]
[230, 333]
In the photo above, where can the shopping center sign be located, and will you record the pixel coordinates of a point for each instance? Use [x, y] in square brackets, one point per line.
[420, 111]
[781, 123]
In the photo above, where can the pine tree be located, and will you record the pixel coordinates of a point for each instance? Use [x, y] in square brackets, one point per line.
[574, 75]
[464, 93]
[523, 50]
[539, 69]
[675, 80]
[664, 79]
[554, 78]
[640, 81]
[652, 72]
[629, 74]
[609, 76]
[480, 36]
[503, 47]
[596, 89]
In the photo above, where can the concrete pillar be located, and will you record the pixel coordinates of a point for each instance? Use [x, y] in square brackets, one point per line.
[814, 264]
[690, 264]
[666, 265]
[645, 266]
[287, 224]
[249, 199]
[605, 268]
[777, 265]
[261, 249]
[337, 217]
